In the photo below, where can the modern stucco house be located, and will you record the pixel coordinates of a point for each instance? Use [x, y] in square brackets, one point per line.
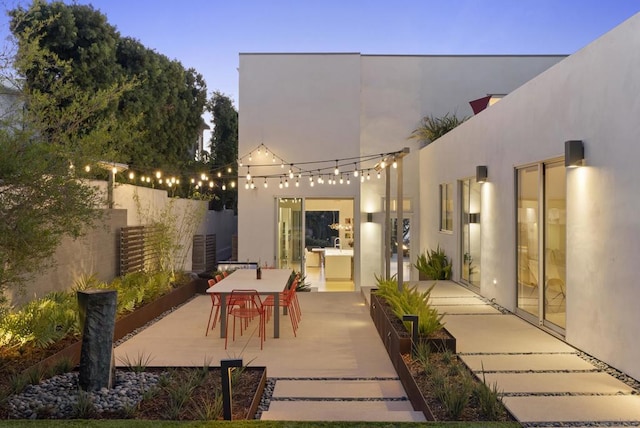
[346, 109]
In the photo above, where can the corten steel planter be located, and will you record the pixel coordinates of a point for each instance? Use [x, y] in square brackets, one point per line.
[134, 320]
[396, 338]
[414, 394]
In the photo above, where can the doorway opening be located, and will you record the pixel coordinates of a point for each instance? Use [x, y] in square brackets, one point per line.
[316, 236]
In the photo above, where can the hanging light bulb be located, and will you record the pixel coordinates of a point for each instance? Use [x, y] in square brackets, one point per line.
[248, 174]
[240, 162]
[177, 181]
[361, 178]
[378, 175]
[87, 168]
[336, 171]
[291, 171]
[312, 183]
[265, 183]
[224, 186]
[250, 157]
[355, 169]
[341, 179]
[199, 183]
[282, 164]
[259, 149]
[131, 175]
[233, 184]
[383, 164]
[311, 178]
[286, 183]
[348, 180]
[158, 174]
[297, 182]
[211, 184]
[148, 179]
[193, 180]
[368, 176]
[253, 185]
[246, 185]
[203, 177]
[160, 181]
[274, 159]
[395, 162]
[229, 169]
[280, 185]
[219, 174]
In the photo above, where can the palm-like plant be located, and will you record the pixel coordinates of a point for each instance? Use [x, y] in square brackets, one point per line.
[431, 128]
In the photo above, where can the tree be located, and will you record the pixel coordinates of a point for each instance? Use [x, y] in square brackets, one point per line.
[167, 103]
[224, 147]
[42, 140]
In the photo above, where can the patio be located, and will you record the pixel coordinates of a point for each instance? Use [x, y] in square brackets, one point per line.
[338, 361]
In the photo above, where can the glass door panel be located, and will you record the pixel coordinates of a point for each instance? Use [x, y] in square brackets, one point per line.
[290, 237]
[555, 227]
[471, 191]
[527, 240]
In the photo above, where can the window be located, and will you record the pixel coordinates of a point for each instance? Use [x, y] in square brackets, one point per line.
[446, 207]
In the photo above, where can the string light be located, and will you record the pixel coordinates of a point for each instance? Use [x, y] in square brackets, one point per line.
[224, 186]
[378, 175]
[158, 174]
[248, 174]
[265, 183]
[250, 158]
[395, 162]
[131, 175]
[348, 180]
[336, 171]
[355, 169]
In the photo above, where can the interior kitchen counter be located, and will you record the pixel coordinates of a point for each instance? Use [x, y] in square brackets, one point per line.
[338, 264]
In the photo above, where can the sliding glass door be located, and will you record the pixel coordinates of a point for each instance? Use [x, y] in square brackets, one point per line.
[290, 239]
[541, 243]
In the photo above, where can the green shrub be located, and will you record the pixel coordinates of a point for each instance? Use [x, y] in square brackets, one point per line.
[410, 301]
[434, 264]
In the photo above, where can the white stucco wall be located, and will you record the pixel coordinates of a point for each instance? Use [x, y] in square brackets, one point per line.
[590, 96]
[307, 107]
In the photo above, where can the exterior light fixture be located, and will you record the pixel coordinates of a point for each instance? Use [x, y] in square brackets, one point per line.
[336, 170]
[481, 173]
[248, 174]
[573, 153]
[369, 217]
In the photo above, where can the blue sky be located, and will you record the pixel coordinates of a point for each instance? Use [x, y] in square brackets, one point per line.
[208, 35]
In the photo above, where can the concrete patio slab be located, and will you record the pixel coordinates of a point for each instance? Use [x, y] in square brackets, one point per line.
[575, 408]
[500, 334]
[584, 383]
[364, 411]
[338, 388]
[336, 329]
[528, 362]
[467, 309]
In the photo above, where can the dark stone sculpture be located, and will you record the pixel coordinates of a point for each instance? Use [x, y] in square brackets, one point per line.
[97, 321]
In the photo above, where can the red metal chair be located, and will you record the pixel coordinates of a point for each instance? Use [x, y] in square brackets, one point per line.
[215, 303]
[252, 308]
[288, 300]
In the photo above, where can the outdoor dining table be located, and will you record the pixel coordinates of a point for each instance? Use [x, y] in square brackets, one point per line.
[272, 283]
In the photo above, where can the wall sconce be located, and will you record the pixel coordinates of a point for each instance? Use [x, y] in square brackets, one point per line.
[481, 173]
[369, 217]
[573, 153]
[474, 217]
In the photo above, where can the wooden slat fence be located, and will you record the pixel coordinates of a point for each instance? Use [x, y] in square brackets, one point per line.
[137, 249]
[203, 256]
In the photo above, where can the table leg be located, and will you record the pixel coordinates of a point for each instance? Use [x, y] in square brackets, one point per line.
[223, 315]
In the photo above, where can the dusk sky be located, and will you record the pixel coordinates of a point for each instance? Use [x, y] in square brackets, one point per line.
[208, 35]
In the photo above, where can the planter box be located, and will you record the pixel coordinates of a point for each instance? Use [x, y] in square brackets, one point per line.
[134, 320]
[396, 338]
[413, 391]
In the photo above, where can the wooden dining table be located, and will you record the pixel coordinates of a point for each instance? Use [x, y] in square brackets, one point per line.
[273, 282]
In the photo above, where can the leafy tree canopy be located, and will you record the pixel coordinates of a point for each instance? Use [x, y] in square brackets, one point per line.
[166, 104]
[224, 146]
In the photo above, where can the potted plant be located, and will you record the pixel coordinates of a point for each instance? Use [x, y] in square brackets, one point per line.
[434, 264]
